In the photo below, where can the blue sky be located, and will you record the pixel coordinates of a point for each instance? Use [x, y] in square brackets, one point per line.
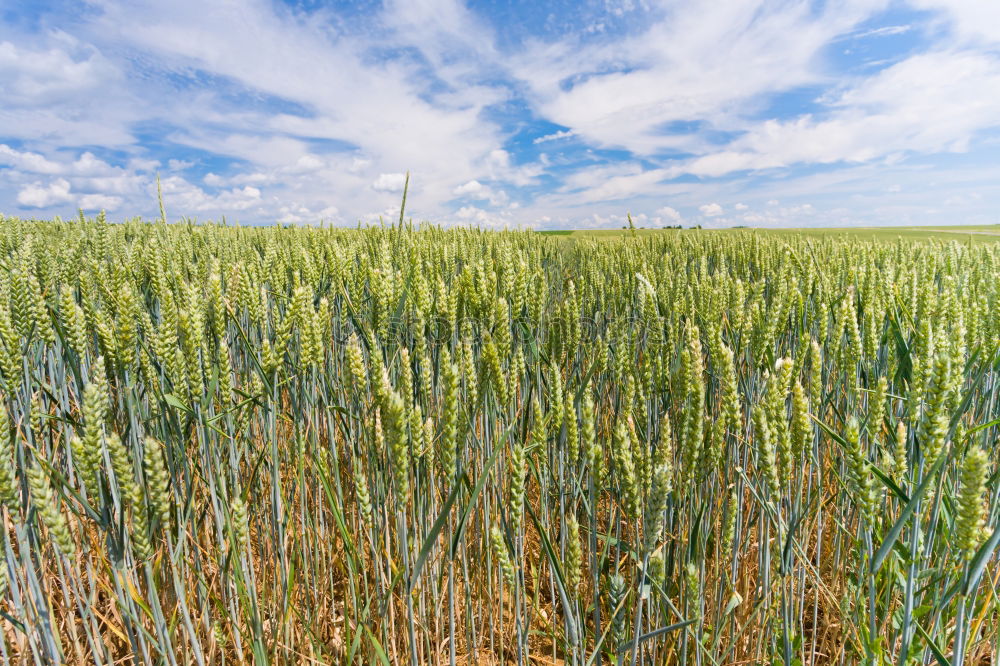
[513, 113]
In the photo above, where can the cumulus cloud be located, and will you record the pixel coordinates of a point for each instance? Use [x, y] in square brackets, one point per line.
[27, 161]
[797, 215]
[471, 187]
[477, 191]
[89, 165]
[85, 166]
[187, 197]
[63, 91]
[389, 182]
[140, 164]
[670, 215]
[37, 195]
[92, 202]
[30, 76]
[299, 214]
[475, 215]
[307, 163]
[711, 210]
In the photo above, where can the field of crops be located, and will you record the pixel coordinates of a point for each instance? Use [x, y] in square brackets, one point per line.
[961, 233]
[391, 445]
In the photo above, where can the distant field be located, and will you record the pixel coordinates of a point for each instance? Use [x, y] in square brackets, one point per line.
[974, 233]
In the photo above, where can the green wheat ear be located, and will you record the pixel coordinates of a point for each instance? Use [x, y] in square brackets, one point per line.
[89, 448]
[157, 481]
[662, 481]
[240, 521]
[450, 381]
[574, 554]
[766, 454]
[861, 478]
[900, 453]
[45, 503]
[364, 497]
[503, 556]
[970, 513]
[518, 472]
[8, 475]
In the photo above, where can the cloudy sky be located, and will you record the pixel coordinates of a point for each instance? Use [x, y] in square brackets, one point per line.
[565, 114]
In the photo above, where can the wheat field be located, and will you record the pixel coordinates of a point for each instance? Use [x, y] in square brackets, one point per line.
[402, 445]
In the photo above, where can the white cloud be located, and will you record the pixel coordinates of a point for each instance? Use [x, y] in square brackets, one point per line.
[394, 118]
[143, 164]
[447, 32]
[562, 134]
[63, 92]
[389, 182]
[711, 210]
[254, 178]
[37, 195]
[89, 202]
[476, 190]
[358, 165]
[32, 76]
[884, 31]
[476, 215]
[975, 20]
[613, 182]
[929, 103]
[471, 187]
[689, 65]
[183, 197]
[308, 163]
[798, 215]
[299, 214]
[88, 165]
[669, 214]
[236, 199]
[27, 161]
